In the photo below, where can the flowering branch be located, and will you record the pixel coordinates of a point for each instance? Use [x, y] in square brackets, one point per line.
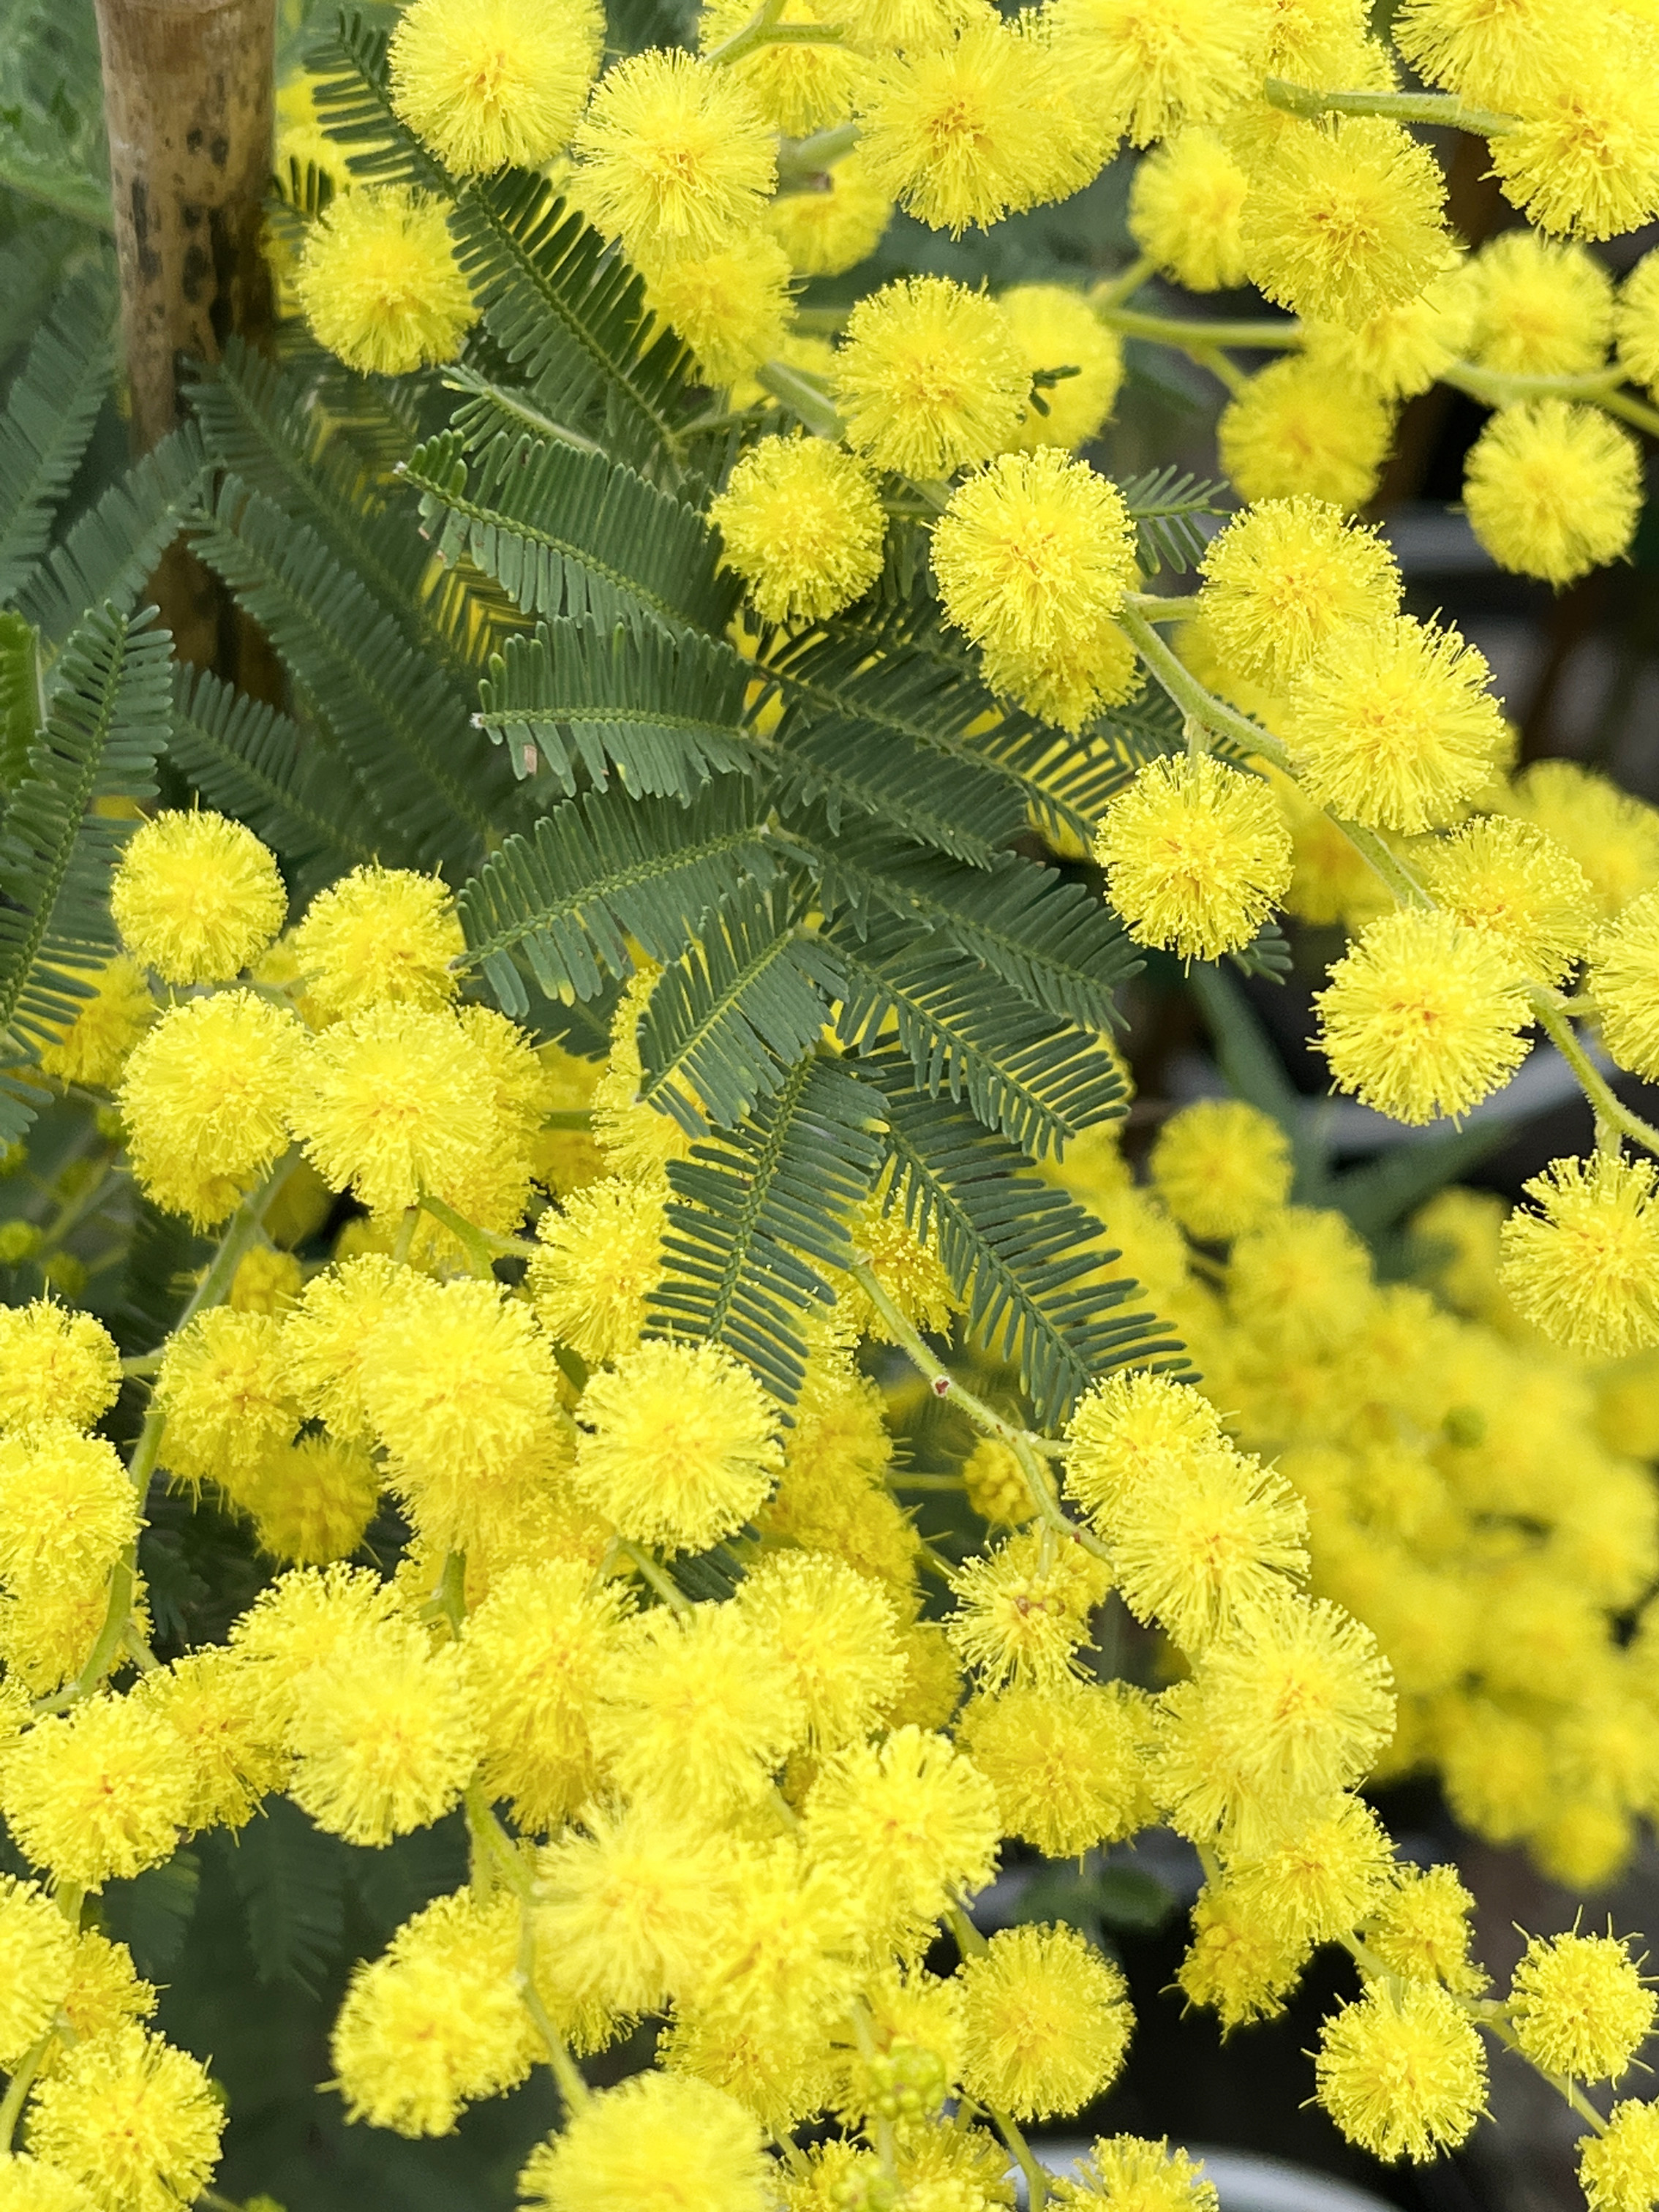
[1441, 108]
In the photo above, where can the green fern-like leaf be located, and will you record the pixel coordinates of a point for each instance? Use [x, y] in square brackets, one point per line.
[664, 712]
[568, 533]
[753, 1209]
[20, 698]
[599, 869]
[108, 721]
[1051, 940]
[1037, 1080]
[49, 415]
[353, 107]
[291, 1879]
[251, 761]
[399, 719]
[109, 552]
[1166, 506]
[1067, 780]
[1026, 1260]
[737, 1010]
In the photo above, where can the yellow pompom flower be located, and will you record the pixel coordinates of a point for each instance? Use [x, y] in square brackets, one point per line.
[1322, 1881]
[67, 1508]
[386, 1732]
[837, 1632]
[1402, 2074]
[1541, 308]
[312, 1501]
[1636, 322]
[537, 1646]
[1399, 351]
[266, 1281]
[659, 2143]
[930, 377]
[629, 1908]
[673, 157]
[909, 1824]
[133, 2118]
[731, 307]
[1301, 1281]
[392, 1102]
[831, 226]
[224, 1391]
[1494, 52]
[1421, 1931]
[326, 1335]
[55, 1365]
[1623, 981]
[802, 526]
[1619, 2170]
[697, 1712]
[1584, 163]
[1297, 427]
[1021, 1617]
[1614, 837]
[379, 285]
[1512, 881]
[1151, 65]
[91, 1048]
[949, 131]
[210, 1699]
[1221, 1167]
[798, 88]
[1346, 221]
[29, 2184]
[996, 1485]
[1065, 1762]
[436, 2020]
[1033, 557]
[1196, 855]
[1184, 209]
[1392, 724]
[1057, 329]
[1135, 1429]
[1286, 578]
[1138, 2176]
[195, 897]
[379, 935]
[1579, 2005]
[601, 1258]
[1554, 489]
[1422, 1018]
[37, 1957]
[679, 1445]
[1238, 1965]
[206, 1100]
[1200, 1553]
[98, 1792]
[484, 83]
[1046, 2021]
[1584, 1268]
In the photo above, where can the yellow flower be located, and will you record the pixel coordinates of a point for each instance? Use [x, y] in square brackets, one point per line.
[1584, 163]
[325, 1336]
[1347, 220]
[1196, 855]
[29, 2184]
[798, 88]
[1541, 308]
[1021, 1617]
[1399, 351]
[1422, 1018]
[1619, 2169]
[55, 1365]
[802, 526]
[1065, 1762]
[195, 897]
[1580, 2005]
[484, 83]
[1140, 2176]
[1513, 881]
[101, 1791]
[628, 1907]
[1057, 329]
[731, 307]
[209, 1698]
[1045, 2021]
[1133, 1429]
[600, 1261]
[133, 2118]
[1221, 1167]
[679, 1445]
[931, 376]
[1402, 2074]
[673, 157]
[1554, 489]
[1636, 322]
[386, 1733]
[206, 1100]
[836, 1631]
[1205, 1550]
[908, 1823]
[224, 1391]
[1623, 981]
[1300, 1281]
[1298, 428]
[1614, 837]
[1239, 1965]
[92, 1046]
[1184, 209]
[67, 1507]
[436, 2020]
[1494, 52]
[1287, 577]
[37, 1956]
[1584, 1268]
[1151, 65]
[1421, 1931]
[537, 1647]
[659, 2143]
[829, 227]
[379, 935]
[996, 1485]
[266, 1281]
[379, 285]
[1323, 1879]
[311, 1501]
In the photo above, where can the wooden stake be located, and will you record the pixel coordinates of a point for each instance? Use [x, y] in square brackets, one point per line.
[188, 99]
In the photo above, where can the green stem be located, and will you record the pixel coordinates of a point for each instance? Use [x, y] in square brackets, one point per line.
[1496, 387]
[801, 395]
[1632, 411]
[495, 1844]
[811, 157]
[1608, 1106]
[1491, 2019]
[246, 1224]
[17, 2090]
[405, 1236]
[146, 1363]
[1036, 2179]
[1124, 285]
[1441, 108]
[1171, 330]
[1405, 885]
[660, 1581]
[1160, 606]
[742, 41]
[471, 1241]
[580, 1117]
[1190, 696]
